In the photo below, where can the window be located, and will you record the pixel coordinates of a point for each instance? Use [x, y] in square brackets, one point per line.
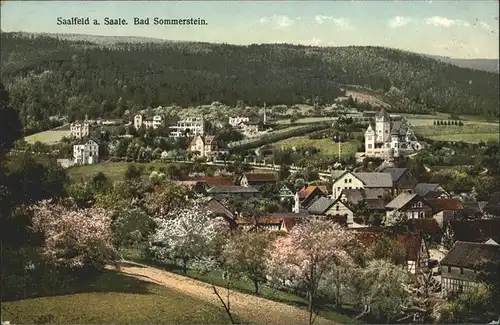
[386, 131]
[369, 146]
[449, 269]
[421, 215]
[338, 189]
[419, 204]
[345, 180]
[461, 270]
[337, 207]
[350, 180]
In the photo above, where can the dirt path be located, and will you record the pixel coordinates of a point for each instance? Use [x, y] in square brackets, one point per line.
[246, 306]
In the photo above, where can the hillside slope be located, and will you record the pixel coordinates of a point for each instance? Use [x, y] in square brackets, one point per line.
[47, 76]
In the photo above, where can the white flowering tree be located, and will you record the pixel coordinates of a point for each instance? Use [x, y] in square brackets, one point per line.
[74, 237]
[384, 290]
[311, 253]
[184, 234]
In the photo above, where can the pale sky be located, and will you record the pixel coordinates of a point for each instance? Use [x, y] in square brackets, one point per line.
[459, 29]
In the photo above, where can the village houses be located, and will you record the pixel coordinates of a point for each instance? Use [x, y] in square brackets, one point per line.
[460, 267]
[80, 129]
[206, 146]
[188, 127]
[350, 180]
[149, 123]
[86, 153]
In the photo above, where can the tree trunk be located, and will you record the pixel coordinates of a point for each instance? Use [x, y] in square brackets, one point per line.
[311, 308]
[256, 287]
[184, 266]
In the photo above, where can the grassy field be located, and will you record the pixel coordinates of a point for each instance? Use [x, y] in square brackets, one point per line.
[113, 170]
[471, 132]
[48, 137]
[326, 146]
[114, 298]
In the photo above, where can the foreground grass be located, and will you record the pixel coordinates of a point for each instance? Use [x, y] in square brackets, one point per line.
[326, 146]
[114, 298]
[346, 316]
[48, 137]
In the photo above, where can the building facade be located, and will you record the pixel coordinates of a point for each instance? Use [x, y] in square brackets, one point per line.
[205, 145]
[389, 138]
[155, 122]
[190, 127]
[86, 153]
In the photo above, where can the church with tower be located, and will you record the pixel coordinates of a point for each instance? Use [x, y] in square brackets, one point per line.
[389, 137]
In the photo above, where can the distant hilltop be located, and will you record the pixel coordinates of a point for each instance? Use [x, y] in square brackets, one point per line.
[489, 65]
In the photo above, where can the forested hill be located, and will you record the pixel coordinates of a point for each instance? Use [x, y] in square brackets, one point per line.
[48, 76]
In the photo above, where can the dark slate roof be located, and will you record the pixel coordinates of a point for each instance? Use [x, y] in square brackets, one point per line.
[375, 179]
[423, 188]
[320, 205]
[469, 255]
[232, 189]
[425, 226]
[401, 200]
[433, 194]
[337, 173]
[353, 195]
[395, 172]
[219, 209]
[375, 204]
[476, 230]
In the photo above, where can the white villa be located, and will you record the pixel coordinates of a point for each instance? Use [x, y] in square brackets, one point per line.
[80, 129]
[86, 153]
[388, 137]
[154, 123]
[193, 126]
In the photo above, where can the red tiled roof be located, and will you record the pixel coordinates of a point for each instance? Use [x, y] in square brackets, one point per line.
[445, 204]
[288, 223]
[305, 191]
[411, 242]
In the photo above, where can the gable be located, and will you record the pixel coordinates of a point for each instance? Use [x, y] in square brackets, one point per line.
[347, 175]
[338, 207]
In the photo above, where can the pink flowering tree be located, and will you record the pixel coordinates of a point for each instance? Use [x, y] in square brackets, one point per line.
[310, 254]
[74, 238]
[185, 233]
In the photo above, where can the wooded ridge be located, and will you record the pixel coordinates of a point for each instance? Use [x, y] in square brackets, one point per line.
[47, 76]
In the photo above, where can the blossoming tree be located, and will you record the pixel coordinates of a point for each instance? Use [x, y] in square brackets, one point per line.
[246, 254]
[74, 237]
[311, 253]
[184, 233]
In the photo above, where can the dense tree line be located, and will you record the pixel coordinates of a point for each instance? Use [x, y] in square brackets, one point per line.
[47, 76]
